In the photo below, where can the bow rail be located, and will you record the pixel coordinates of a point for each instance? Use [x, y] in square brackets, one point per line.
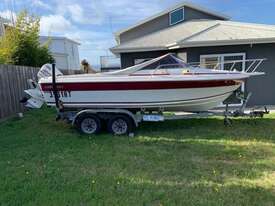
[249, 65]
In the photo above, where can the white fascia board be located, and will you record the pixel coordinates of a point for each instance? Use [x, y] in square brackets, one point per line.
[174, 47]
[59, 54]
[172, 44]
[227, 42]
[196, 44]
[59, 38]
[131, 50]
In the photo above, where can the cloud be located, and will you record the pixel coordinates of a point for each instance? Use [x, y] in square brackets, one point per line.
[76, 12]
[54, 24]
[124, 11]
[91, 40]
[41, 4]
[91, 15]
[102, 12]
[78, 15]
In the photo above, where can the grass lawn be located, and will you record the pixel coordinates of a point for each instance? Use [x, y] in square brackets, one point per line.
[186, 162]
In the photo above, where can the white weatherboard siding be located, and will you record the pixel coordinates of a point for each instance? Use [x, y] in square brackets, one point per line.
[64, 51]
[1, 28]
[3, 21]
[61, 60]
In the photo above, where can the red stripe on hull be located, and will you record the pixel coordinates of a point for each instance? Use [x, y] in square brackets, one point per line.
[186, 73]
[99, 86]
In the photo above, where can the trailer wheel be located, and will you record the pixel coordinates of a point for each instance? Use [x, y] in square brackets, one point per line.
[120, 125]
[88, 124]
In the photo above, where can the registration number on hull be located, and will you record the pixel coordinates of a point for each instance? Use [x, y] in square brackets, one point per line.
[64, 94]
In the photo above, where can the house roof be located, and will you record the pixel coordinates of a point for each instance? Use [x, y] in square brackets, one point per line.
[198, 33]
[59, 38]
[188, 4]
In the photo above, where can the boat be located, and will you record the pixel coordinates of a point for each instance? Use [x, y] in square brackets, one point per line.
[165, 83]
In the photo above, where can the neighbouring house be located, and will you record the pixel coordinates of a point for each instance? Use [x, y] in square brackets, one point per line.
[197, 34]
[64, 51]
[2, 26]
[4, 23]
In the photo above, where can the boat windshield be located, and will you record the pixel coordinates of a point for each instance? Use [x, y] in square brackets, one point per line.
[169, 64]
[165, 64]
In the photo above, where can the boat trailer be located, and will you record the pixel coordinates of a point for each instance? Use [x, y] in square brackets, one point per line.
[123, 121]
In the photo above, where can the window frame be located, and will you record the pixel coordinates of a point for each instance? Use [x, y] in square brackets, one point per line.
[170, 15]
[221, 57]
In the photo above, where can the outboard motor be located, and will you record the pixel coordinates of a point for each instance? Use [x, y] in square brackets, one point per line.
[46, 71]
[34, 97]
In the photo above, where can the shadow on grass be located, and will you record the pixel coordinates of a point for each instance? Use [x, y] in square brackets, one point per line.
[138, 190]
[224, 158]
[212, 128]
[202, 193]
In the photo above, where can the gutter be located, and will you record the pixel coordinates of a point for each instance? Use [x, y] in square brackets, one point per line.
[196, 44]
[131, 50]
[227, 42]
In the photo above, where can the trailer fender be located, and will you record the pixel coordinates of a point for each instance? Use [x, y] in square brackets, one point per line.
[135, 119]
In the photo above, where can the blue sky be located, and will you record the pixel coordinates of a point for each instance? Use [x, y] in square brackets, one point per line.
[93, 22]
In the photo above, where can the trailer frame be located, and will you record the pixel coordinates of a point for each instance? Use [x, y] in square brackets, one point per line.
[129, 120]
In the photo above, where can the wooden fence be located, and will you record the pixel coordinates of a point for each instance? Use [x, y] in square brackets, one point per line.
[13, 82]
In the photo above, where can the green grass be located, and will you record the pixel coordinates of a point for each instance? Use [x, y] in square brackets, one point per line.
[187, 162]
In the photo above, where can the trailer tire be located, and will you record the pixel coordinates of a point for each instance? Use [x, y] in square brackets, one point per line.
[120, 125]
[88, 124]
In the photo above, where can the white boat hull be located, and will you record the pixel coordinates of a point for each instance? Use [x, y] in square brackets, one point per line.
[191, 99]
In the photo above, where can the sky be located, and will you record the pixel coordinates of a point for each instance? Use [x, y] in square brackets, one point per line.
[94, 22]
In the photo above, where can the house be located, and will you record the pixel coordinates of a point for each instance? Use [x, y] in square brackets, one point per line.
[4, 23]
[2, 26]
[197, 34]
[64, 51]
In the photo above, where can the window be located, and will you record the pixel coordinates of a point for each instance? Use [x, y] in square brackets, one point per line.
[223, 61]
[226, 62]
[176, 16]
[211, 62]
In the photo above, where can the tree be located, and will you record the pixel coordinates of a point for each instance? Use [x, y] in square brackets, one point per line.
[20, 45]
